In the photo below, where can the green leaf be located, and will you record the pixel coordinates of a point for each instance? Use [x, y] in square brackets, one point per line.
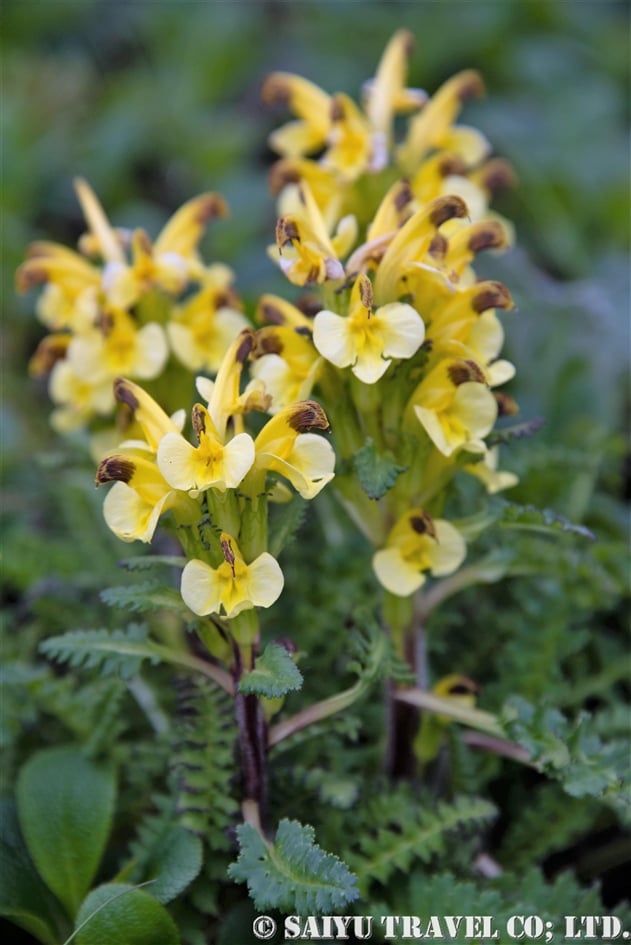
[23, 897]
[293, 873]
[171, 859]
[148, 562]
[120, 651]
[530, 518]
[65, 805]
[121, 913]
[144, 598]
[274, 674]
[377, 472]
[518, 431]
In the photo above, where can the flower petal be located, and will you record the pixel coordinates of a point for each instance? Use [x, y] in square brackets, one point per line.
[200, 588]
[403, 330]
[238, 457]
[449, 551]
[265, 580]
[332, 338]
[395, 574]
[129, 516]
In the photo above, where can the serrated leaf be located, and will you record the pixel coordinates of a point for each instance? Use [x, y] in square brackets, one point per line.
[274, 674]
[518, 431]
[294, 873]
[65, 806]
[121, 913]
[547, 521]
[377, 472]
[173, 862]
[148, 562]
[144, 598]
[112, 652]
[24, 899]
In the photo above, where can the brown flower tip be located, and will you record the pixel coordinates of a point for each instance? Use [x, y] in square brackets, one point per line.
[228, 553]
[286, 232]
[451, 164]
[30, 274]
[337, 111]
[498, 174]
[491, 295]
[282, 173]
[438, 247]
[198, 419]
[308, 415]
[462, 686]
[365, 291]
[275, 90]
[246, 344]
[490, 234]
[423, 524]
[266, 341]
[507, 406]
[465, 371]
[115, 469]
[403, 196]
[470, 85]
[124, 395]
[50, 350]
[210, 207]
[445, 208]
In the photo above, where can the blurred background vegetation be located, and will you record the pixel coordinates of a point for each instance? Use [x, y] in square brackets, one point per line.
[153, 102]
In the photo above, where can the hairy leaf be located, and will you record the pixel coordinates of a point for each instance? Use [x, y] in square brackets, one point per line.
[293, 873]
[144, 598]
[274, 674]
[118, 912]
[120, 651]
[66, 805]
[285, 520]
[377, 472]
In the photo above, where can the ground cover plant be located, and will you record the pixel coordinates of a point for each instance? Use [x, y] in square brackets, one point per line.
[342, 629]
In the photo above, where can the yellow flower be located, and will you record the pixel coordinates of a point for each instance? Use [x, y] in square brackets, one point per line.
[454, 405]
[305, 252]
[287, 364]
[200, 331]
[305, 459]
[115, 345]
[71, 284]
[367, 339]
[77, 400]
[212, 464]
[309, 103]
[234, 586]
[494, 479]
[140, 494]
[433, 128]
[417, 544]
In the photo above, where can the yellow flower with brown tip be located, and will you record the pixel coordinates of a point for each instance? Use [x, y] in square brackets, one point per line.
[232, 587]
[211, 464]
[140, 494]
[305, 252]
[285, 446]
[286, 363]
[418, 544]
[116, 345]
[454, 405]
[433, 127]
[367, 339]
[201, 330]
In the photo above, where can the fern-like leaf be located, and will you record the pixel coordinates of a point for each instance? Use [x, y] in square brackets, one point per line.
[293, 873]
[405, 832]
[145, 598]
[120, 651]
[377, 472]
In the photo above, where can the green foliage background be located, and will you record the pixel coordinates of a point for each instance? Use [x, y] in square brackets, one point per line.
[154, 102]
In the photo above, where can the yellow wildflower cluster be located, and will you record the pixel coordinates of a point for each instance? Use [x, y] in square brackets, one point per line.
[215, 489]
[398, 338]
[404, 346]
[122, 304]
